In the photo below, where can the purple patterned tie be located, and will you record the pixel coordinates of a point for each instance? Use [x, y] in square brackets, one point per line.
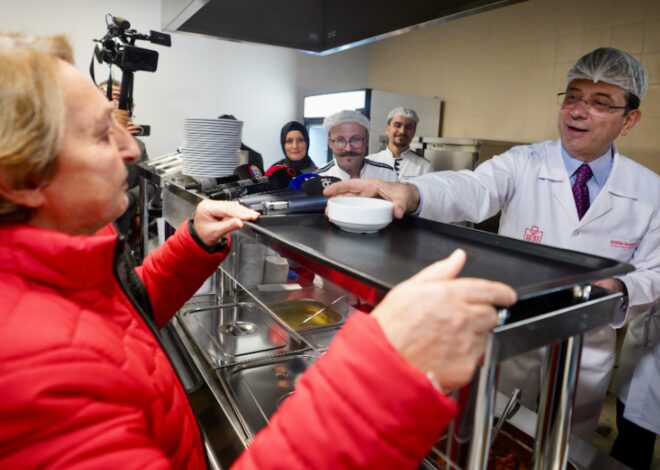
[580, 189]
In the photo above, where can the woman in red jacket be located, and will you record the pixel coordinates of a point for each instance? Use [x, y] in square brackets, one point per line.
[84, 382]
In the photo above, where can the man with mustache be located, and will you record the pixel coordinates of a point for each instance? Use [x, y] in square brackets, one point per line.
[348, 135]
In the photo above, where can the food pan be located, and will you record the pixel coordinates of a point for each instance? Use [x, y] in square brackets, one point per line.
[236, 332]
[257, 389]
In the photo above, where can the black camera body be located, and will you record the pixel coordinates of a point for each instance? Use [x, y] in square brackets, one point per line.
[127, 57]
[118, 48]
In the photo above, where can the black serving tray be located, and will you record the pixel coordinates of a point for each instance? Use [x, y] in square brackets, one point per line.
[406, 246]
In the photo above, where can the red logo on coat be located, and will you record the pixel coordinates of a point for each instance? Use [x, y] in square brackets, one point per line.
[533, 234]
[623, 244]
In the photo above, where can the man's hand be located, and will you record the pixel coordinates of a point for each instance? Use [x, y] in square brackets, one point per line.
[612, 284]
[122, 117]
[440, 324]
[133, 129]
[405, 197]
[215, 219]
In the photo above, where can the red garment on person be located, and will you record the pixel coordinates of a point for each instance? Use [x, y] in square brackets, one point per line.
[85, 384]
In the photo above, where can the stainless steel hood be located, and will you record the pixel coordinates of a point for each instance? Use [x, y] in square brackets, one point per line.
[316, 26]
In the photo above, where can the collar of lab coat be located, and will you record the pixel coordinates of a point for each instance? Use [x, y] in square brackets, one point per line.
[619, 184]
[553, 167]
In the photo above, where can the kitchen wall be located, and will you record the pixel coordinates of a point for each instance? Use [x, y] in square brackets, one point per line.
[499, 71]
[198, 76]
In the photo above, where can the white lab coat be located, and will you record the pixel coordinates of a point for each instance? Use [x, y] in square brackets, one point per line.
[532, 188]
[638, 378]
[373, 170]
[410, 164]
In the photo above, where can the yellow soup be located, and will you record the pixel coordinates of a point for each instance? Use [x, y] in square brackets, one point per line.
[295, 312]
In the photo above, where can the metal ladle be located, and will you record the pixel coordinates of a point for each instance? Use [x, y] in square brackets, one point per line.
[508, 412]
[318, 312]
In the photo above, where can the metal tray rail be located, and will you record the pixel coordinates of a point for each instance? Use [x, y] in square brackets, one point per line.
[402, 249]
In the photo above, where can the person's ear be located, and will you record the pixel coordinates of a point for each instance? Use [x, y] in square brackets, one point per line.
[632, 119]
[32, 198]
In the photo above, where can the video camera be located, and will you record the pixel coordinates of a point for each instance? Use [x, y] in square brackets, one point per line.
[118, 48]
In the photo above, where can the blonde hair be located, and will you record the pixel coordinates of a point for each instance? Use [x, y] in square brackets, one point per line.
[32, 117]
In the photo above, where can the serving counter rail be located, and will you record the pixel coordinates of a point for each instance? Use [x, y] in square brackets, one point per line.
[250, 350]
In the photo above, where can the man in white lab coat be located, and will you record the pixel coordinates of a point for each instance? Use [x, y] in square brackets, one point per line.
[348, 135]
[577, 193]
[400, 129]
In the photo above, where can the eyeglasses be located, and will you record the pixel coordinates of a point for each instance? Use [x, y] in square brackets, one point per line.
[355, 142]
[594, 105]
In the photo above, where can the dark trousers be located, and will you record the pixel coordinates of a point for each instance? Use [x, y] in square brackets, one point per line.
[634, 445]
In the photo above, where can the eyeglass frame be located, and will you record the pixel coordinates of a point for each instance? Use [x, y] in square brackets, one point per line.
[561, 99]
[352, 142]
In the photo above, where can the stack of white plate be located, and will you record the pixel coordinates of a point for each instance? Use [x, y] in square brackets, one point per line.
[211, 146]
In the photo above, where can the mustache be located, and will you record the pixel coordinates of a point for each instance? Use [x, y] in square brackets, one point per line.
[349, 154]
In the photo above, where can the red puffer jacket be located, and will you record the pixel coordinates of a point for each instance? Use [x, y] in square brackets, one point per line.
[83, 381]
[85, 384]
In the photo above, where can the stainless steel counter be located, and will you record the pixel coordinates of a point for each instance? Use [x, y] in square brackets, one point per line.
[234, 399]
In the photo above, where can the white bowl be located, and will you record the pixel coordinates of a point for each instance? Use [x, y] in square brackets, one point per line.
[360, 214]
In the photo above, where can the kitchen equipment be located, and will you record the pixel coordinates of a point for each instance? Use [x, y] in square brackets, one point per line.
[276, 269]
[553, 308]
[461, 154]
[318, 26]
[509, 409]
[408, 245]
[211, 146]
[360, 214]
[237, 332]
[258, 389]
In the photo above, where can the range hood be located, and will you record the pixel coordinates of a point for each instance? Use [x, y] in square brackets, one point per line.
[315, 26]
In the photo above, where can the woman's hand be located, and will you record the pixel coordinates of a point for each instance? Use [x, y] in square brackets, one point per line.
[440, 324]
[215, 219]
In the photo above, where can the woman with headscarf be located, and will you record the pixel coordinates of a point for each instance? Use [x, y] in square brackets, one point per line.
[295, 145]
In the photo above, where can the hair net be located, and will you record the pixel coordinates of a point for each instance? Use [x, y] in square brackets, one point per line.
[609, 65]
[346, 116]
[405, 112]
